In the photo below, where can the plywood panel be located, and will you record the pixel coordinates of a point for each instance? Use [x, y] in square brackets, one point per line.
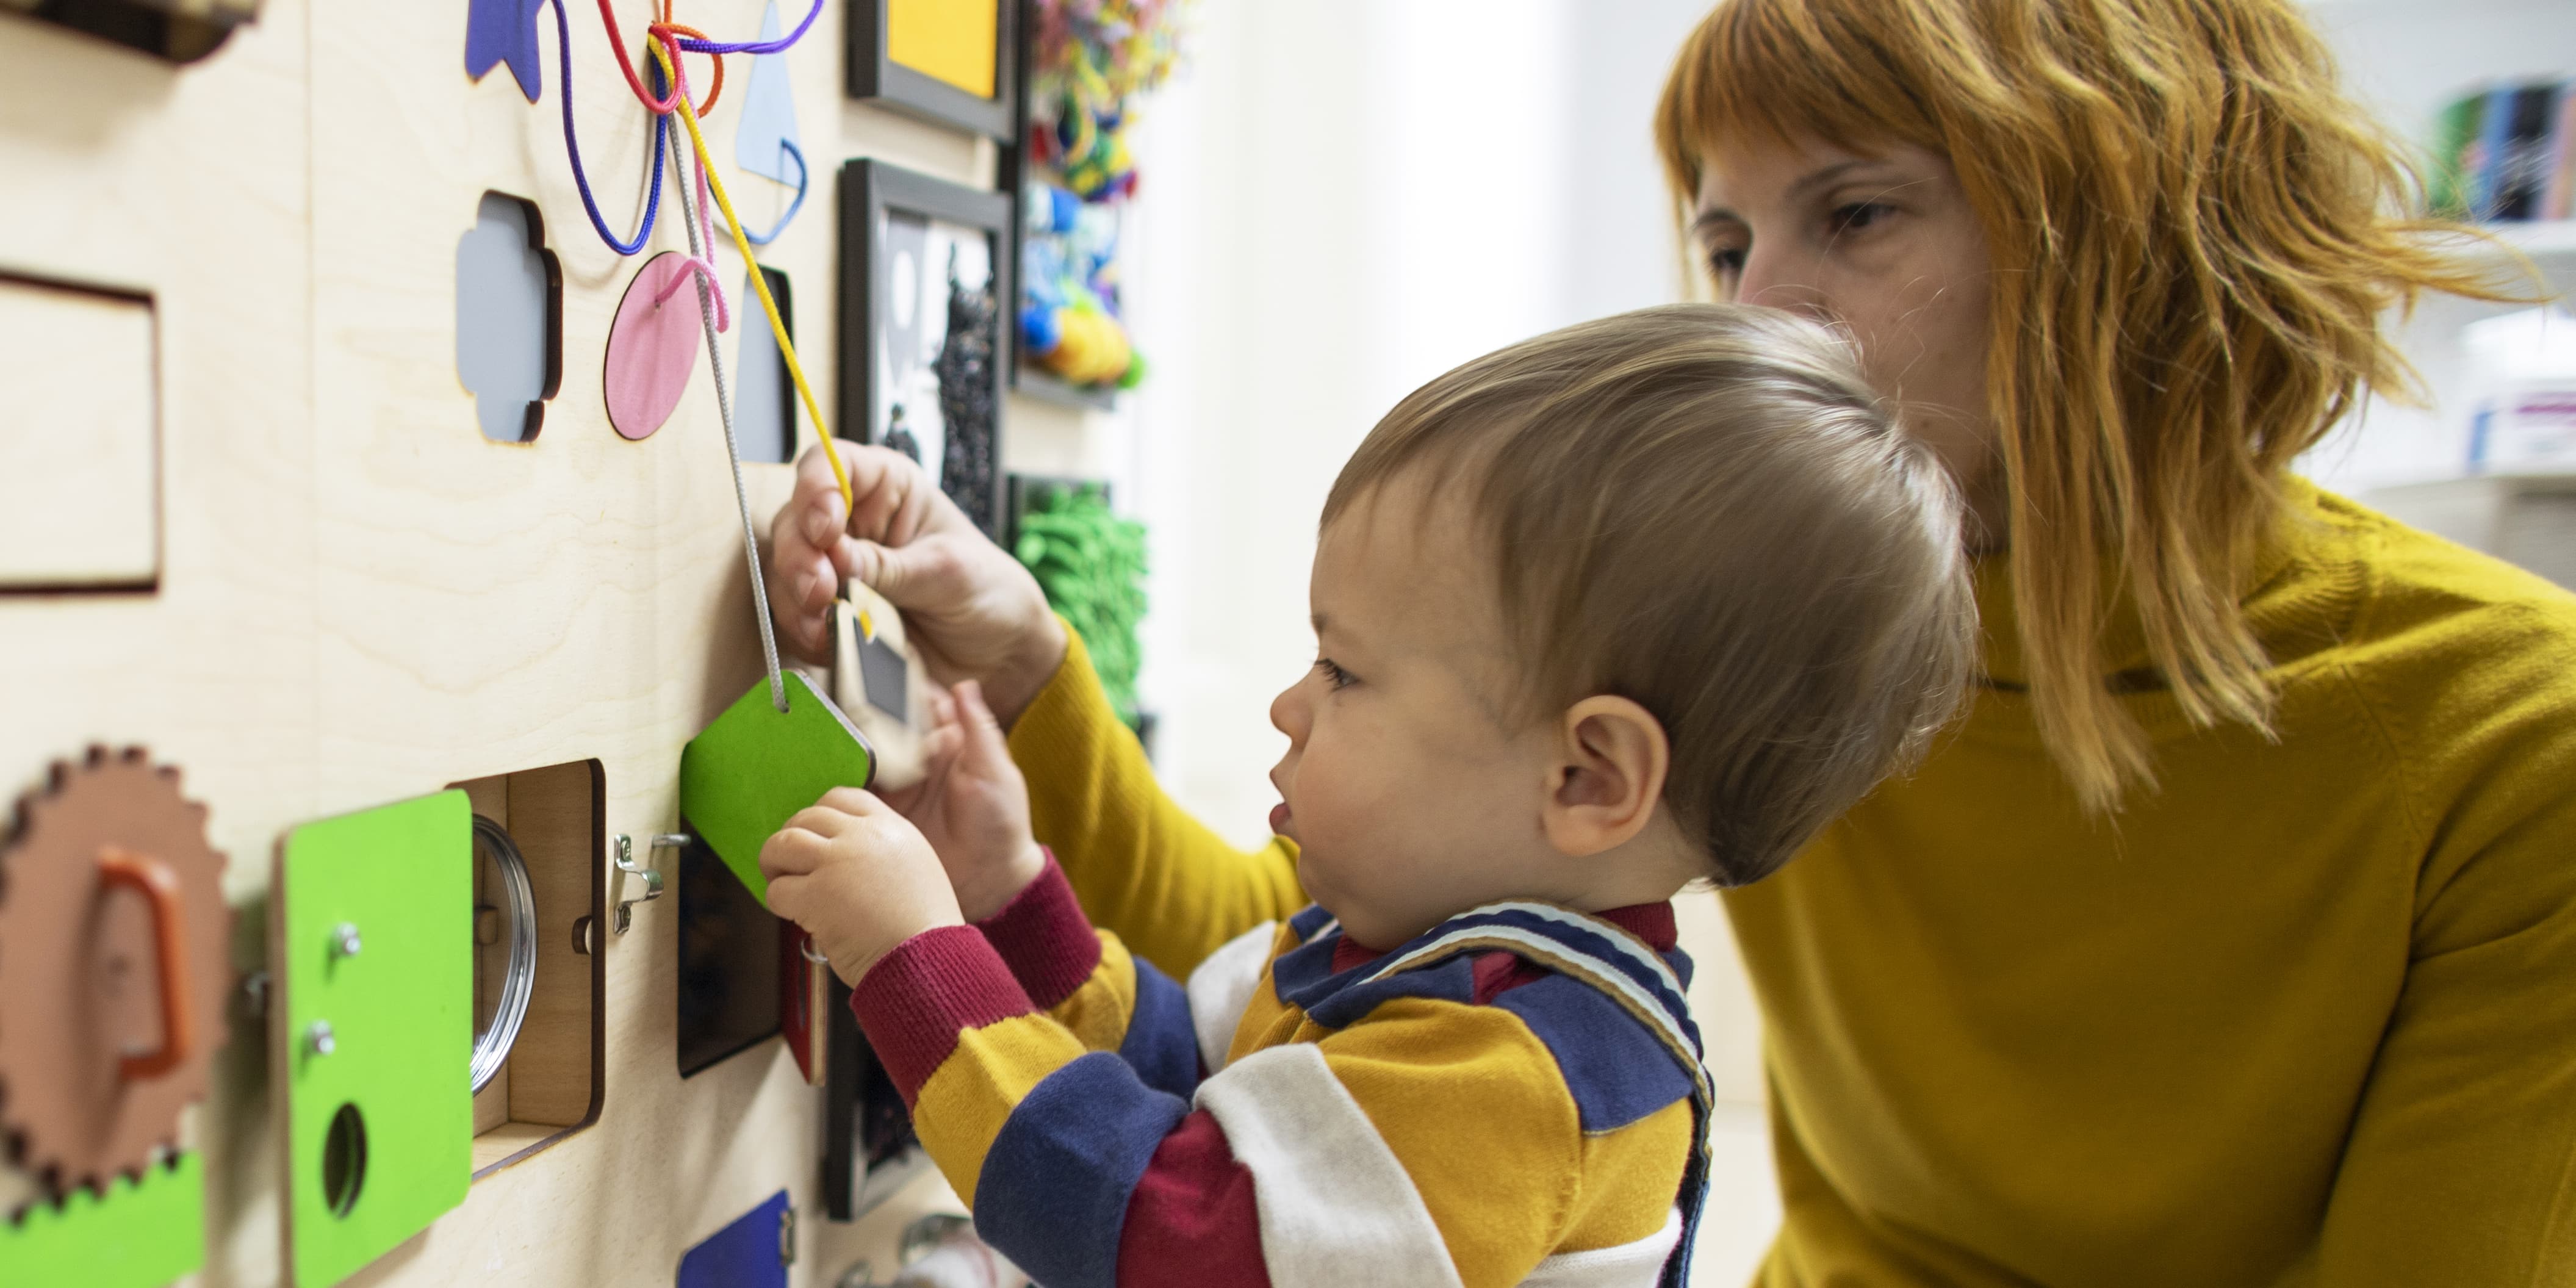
[79, 487]
[360, 599]
[552, 1066]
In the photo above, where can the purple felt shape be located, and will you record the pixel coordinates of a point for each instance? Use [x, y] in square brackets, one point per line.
[503, 31]
[652, 348]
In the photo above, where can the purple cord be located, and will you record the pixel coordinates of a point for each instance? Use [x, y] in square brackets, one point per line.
[750, 46]
[572, 145]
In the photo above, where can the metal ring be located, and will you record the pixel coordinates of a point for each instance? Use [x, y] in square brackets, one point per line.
[492, 1045]
[818, 959]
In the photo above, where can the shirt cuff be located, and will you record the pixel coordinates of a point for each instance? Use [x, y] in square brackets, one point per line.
[1043, 937]
[916, 1000]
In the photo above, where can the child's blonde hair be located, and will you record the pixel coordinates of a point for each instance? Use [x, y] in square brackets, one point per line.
[1704, 508]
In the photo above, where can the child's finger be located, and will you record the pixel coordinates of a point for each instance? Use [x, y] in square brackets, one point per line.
[787, 897]
[793, 851]
[855, 802]
[821, 820]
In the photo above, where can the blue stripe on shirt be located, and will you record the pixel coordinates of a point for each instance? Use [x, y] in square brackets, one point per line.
[1054, 1188]
[1161, 1045]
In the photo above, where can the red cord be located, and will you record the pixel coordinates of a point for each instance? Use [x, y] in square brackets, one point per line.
[663, 31]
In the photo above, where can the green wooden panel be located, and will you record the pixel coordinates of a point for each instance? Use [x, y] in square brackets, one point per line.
[141, 1234]
[401, 1017]
[745, 775]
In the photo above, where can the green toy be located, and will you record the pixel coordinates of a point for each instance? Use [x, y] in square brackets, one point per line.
[375, 945]
[143, 1233]
[1091, 564]
[745, 775]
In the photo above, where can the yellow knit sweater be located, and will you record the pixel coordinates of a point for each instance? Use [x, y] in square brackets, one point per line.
[2305, 1015]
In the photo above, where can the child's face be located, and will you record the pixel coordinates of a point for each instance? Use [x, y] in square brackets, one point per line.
[1410, 797]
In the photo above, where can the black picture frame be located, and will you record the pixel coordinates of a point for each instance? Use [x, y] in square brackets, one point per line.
[871, 191]
[874, 75]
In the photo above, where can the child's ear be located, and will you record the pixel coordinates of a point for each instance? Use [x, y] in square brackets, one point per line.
[1609, 775]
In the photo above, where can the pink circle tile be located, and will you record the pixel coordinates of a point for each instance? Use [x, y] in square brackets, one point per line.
[652, 348]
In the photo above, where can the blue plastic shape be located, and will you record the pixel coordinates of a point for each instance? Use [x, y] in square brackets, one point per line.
[768, 113]
[503, 31]
[750, 1253]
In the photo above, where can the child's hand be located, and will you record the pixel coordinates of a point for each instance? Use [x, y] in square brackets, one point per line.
[973, 806]
[858, 878]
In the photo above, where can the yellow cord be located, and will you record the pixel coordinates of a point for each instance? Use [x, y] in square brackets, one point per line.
[759, 282]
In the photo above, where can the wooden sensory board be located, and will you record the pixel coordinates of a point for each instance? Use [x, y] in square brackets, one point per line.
[362, 600]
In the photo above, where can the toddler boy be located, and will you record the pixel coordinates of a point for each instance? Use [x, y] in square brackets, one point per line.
[1641, 602]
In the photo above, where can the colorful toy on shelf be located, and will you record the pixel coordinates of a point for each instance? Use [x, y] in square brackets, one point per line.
[1069, 318]
[1093, 57]
[1091, 564]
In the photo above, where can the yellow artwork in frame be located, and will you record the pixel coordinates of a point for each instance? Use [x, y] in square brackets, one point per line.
[955, 42]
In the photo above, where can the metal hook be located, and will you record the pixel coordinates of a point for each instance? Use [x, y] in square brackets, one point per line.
[624, 856]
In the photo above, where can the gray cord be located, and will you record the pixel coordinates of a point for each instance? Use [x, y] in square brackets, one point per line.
[724, 411]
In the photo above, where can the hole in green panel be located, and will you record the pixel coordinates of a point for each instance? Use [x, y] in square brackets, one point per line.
[344, 1160]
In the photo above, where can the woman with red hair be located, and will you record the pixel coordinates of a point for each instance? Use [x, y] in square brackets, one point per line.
[2231, 937]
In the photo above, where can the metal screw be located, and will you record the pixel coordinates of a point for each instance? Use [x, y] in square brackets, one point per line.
[344, 940]
[319, 1038]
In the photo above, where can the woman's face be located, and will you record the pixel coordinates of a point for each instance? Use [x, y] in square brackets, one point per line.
[1886, 245]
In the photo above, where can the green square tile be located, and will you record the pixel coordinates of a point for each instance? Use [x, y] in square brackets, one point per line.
[746, 774]
[401, 1017]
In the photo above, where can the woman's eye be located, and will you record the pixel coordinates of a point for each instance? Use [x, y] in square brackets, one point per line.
[1726, 261]
[1856, 216]
[1334, 675]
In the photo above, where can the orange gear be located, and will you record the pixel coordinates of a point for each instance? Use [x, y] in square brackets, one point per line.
[115, 963]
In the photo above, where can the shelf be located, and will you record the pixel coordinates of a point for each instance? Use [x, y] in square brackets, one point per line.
[2550, 240]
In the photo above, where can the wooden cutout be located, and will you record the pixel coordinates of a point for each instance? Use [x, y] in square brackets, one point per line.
[80, 493]
[552, 1083]
[509, 318]
[652, 348]
[81, 965]
[751, 770]
[880, 683]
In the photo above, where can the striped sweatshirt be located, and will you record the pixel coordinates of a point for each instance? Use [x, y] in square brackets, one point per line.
[1476, 1107]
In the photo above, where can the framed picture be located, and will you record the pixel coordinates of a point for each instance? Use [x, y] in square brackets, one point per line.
[949, 62]
[927, 283]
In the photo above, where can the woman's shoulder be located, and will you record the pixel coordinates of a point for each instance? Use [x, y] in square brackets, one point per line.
[2421, 598]
[2468, 663]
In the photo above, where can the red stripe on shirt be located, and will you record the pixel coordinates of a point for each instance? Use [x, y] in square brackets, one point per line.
[1191, 1220]
[1044, 938]
[915, 1001]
